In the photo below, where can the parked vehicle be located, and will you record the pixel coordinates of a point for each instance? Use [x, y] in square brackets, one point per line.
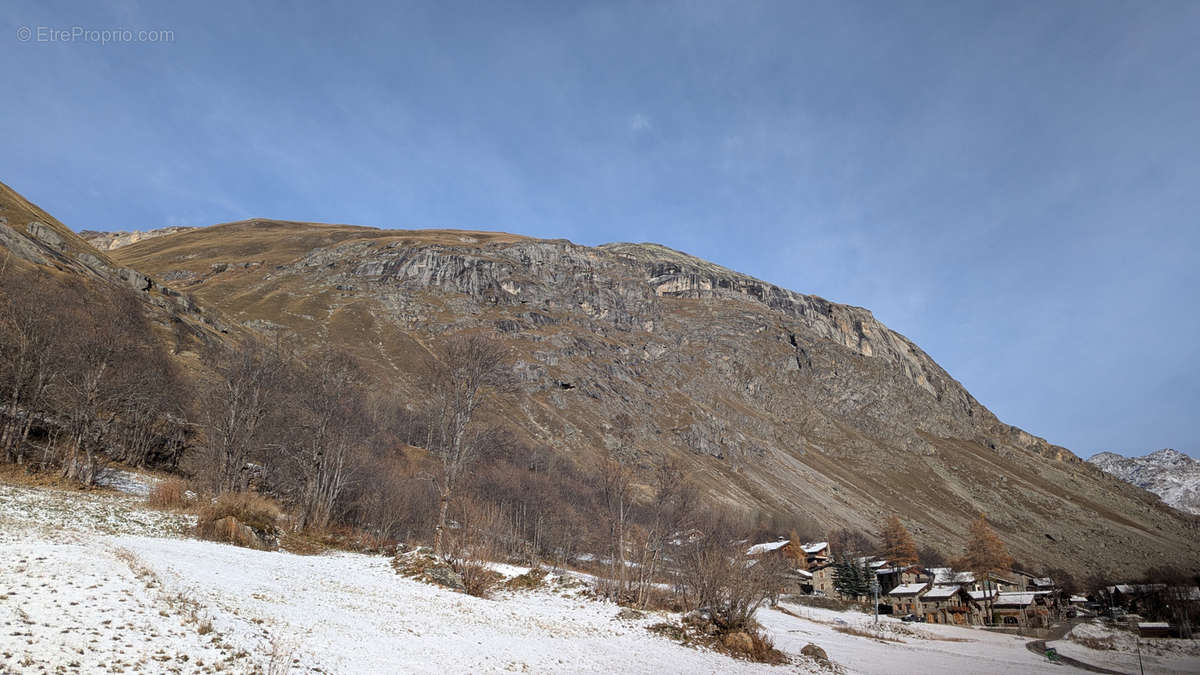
[913, 618]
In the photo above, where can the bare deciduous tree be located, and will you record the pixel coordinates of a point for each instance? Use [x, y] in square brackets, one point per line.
[236, 410]
[29, 360]
[718, 574]
[102, 357]
[465, 368]
[331, 415]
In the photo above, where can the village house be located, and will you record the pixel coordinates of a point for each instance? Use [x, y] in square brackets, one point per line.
[816, 553]
[810, 571]
[1027, 581]
[951, 604]
[822, 580]
[1025, 609]
[891, 577]
[906, 598]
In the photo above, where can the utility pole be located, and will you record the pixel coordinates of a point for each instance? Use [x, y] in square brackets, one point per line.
[875, 595]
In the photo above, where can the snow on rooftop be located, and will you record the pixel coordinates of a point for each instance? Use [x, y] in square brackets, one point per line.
[941, 592]
[1154, 624]
[907, 589]
[804, 574]
[759, 549]
[982, 595]
[815, 548]
[945, 575]
[1078, 598]
[1015, 599]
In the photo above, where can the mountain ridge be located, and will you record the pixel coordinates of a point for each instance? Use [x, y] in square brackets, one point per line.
[1168, 473]
[775, 401]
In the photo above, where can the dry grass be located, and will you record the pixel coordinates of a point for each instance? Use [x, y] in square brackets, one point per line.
[169, 495]
[850, 630]
[353, 540]
[764, 650]
[760, 647]
[243, 518]
[254, 510]
[25, 476]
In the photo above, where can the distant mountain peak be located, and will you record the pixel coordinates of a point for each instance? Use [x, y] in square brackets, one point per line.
[1168, 473]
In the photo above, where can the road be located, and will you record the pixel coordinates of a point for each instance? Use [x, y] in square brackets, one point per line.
[1057, 633]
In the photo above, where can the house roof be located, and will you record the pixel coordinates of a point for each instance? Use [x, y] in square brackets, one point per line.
[804, 574]
[945, 575]
[1136, 588]
[1153, 624]
[907, 589]
[1043, 582]
[1078, 598]
[816, 547]
[759, 549]
[893, 570]
[1014, 599]
[941, 592]
[983, 595]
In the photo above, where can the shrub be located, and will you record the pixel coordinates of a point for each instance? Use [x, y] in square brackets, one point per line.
[240, 518]
[478, 579]
[168, 494]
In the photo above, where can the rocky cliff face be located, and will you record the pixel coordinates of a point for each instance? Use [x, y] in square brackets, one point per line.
[778, 401]
[31, 237]
[107, 241]
[1170, 474]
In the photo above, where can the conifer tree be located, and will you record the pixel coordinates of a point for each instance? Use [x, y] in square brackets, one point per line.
[898, 545]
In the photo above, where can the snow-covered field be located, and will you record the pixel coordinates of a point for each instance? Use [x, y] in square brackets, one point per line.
[1165, 656]
[92, 582]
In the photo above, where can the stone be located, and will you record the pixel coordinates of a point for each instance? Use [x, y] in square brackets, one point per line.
[814, 652]
[443, 575]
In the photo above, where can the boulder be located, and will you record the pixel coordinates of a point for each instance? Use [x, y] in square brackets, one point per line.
[444, 575]
[814, 652]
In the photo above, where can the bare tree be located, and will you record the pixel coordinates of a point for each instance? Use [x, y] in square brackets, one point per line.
[465, 368]
[718, 574]
[668, 516]
[102, 357]
[616, 489]
[236, 411]
[331, 416]
[29, 359]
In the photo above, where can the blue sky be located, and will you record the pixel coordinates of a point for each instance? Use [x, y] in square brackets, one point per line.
[1013, 185]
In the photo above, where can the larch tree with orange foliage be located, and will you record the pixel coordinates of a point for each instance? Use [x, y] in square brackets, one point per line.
[898, 545]
[985, 555]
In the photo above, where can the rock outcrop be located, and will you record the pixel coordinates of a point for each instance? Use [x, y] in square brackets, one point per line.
[108, 241]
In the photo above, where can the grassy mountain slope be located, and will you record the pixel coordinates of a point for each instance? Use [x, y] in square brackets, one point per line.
[776, 400]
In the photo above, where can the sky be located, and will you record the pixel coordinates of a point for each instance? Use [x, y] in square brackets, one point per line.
[1015, 186]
